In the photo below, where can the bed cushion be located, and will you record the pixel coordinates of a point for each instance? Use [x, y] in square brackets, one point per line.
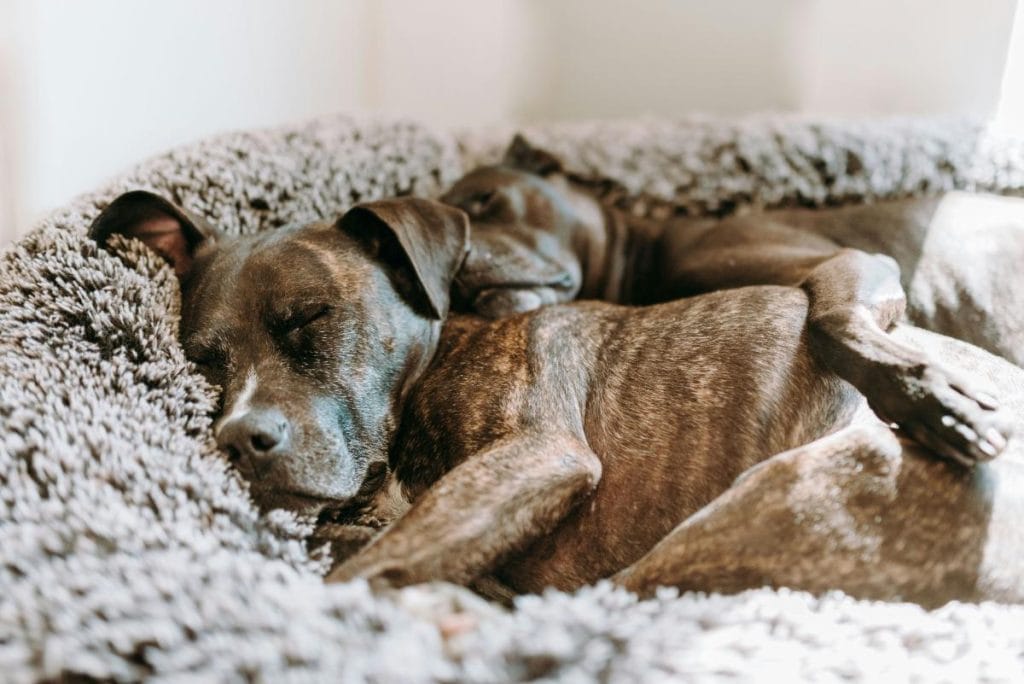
[130, 549]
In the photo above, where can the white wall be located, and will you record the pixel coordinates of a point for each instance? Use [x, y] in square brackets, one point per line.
[605, 58]
[91, 86]
[903, 56]
[100, 84]
[1010, 113]
[453, 62]
[8, 180]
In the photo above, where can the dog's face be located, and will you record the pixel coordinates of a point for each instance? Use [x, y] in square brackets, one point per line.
[307, 397]
[532, 233]
[313, 334]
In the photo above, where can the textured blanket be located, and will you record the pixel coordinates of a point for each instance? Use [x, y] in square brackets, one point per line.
[130, 549]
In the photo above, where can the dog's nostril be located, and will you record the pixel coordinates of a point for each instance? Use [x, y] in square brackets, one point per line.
[259, 434]
[263, 442]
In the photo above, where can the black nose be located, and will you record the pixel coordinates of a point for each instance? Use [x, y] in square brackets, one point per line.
[261, 435]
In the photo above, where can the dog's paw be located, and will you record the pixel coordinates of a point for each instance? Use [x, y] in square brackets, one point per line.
[452, 608]
[944, 411]
[342, 541]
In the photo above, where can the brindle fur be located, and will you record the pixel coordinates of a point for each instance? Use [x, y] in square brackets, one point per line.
[559, 446]
[533, 415]
[535, 226]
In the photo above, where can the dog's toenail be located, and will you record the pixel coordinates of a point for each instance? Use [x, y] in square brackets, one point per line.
[988, 449]
[996, 438]
[948, 421]
[967, 433]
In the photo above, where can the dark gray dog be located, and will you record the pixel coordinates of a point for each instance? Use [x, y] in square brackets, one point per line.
[543, 235]
[576, 442]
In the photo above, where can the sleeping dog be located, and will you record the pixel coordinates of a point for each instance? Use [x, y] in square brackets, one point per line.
[542, 235]
[578, 441]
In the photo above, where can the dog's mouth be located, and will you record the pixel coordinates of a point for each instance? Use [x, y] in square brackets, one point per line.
[354, 509]
[297, 501]
[325, 507]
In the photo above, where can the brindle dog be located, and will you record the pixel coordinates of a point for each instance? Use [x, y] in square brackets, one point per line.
[543, 235]
[579, 441]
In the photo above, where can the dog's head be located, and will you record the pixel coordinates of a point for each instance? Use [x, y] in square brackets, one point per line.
[535, 234]
[313, 333]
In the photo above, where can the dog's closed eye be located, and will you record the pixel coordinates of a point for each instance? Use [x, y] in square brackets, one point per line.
[479, 203]
[304, 317]
[297, 332]
[208, 360]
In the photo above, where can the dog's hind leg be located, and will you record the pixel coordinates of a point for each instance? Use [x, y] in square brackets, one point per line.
[861, 511]
[854, 298]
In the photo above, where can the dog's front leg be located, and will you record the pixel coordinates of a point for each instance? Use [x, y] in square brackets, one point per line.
[854, 298]
[494, 503]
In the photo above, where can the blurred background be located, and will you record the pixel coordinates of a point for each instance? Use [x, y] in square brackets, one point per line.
[88, 87]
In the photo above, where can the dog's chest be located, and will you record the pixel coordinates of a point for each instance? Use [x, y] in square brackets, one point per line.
[486, 385]
[474, 395]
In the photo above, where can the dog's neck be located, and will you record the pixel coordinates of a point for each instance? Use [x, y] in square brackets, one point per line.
[619, 252]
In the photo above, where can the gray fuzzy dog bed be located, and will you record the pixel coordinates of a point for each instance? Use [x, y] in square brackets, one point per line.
[130, 549]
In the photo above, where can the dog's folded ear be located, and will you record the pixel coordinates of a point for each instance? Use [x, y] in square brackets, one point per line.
[428, 237]
[525, 157]
[161, 225]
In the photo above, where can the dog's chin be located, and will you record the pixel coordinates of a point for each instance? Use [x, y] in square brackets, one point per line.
[329, 501]
[300, 502]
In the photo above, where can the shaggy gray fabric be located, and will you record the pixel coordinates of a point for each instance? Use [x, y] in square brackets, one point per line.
[708, 166]
[129, 549]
